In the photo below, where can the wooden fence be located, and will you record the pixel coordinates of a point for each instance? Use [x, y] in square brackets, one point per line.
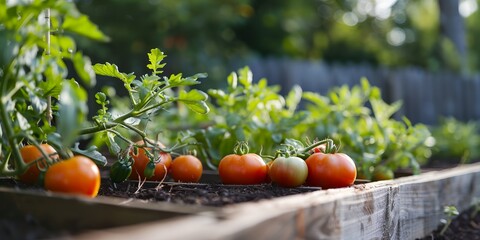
[426, 96]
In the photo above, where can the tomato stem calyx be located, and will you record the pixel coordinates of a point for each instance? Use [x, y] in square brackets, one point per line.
[241, 148]
[330, 146]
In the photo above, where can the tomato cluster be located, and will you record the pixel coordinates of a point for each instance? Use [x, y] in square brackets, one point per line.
[76, 175]
[320, 169]
[80, 175]
[146, 168]
[184, 168]
[31, 153]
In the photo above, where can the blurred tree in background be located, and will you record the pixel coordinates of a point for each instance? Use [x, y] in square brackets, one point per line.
[207, 35]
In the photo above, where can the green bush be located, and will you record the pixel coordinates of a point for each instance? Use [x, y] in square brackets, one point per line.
[456, 141]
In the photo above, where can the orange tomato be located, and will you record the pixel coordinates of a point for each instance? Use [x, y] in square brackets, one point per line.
[141, 159]
[76, 175]
[242, 169]
[31, 153]
[186, 168]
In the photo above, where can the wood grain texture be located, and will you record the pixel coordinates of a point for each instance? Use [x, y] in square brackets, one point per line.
[405, 208]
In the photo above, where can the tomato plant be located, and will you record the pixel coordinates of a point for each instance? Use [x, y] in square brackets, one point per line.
[77, 175]
[330, 169]
[143, 156]
[382, 173]
[33, 156]
[36, 89]
[288, 171]
[186, 168]
[244, 168]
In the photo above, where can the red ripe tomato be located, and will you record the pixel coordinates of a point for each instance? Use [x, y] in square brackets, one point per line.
[242, 169]
[186, 168]
[140, 161]
[330, 170]
[288, 172]
[77, 175]
[31, 153]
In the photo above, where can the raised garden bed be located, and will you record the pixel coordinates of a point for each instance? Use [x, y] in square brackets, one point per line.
[405, 208]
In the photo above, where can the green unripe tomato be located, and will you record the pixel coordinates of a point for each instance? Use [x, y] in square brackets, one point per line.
[149, 169]
[288, 172]
[120, 171]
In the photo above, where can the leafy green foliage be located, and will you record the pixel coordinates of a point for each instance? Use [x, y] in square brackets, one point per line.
[355, 117]
[33, 78]
[147, 97]
[72, 112]
[456, 140]
[370, 136]
[245, 111]
[34, 86]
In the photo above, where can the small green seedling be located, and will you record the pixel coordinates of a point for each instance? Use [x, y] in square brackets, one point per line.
[451, 212]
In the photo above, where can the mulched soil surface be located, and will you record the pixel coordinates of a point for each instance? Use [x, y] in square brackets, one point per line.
[199, 194]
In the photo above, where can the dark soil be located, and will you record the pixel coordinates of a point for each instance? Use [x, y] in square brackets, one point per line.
[464, 226]
[200, 193]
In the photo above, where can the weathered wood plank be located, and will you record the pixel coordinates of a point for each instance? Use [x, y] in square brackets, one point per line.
[405, 208]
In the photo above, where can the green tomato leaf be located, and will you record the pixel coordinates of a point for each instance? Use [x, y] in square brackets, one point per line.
[22, 122]
[232, 119]
[155, 57]
[217, 93]
[112, 145]
[384, 111]
[245, 77]
[101, 98]
[83, 26]
[66, 44]
[316, 99]
[192, 95]
[232, 80]
[39, 105]
[150, 81]
[195, 100]
[52, 86]
[175, 79]
[91, 153]
[84, 69]
[293, 98]
[72, 111]
[193, 80]
[198, 107]
[111, 70]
